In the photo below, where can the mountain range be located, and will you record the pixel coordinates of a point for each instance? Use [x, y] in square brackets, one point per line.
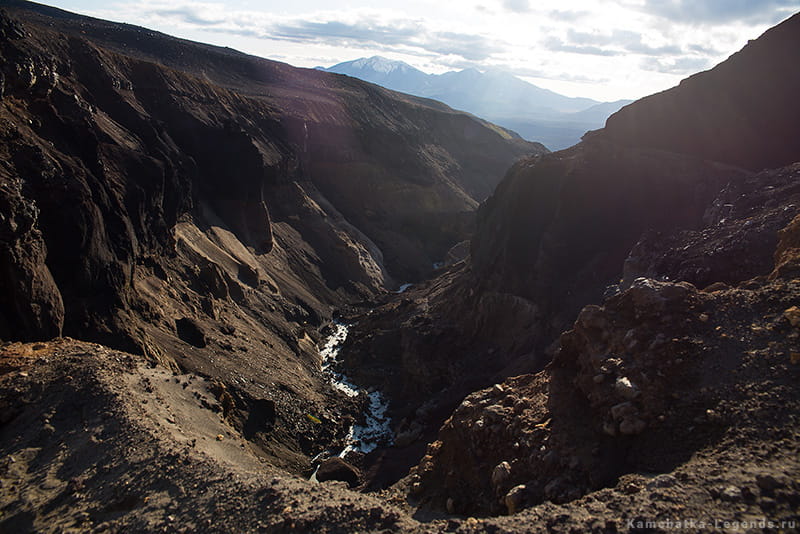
[538, 114]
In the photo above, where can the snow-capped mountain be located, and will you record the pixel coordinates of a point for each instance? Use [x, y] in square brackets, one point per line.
[381, 64]
[537, 114]
[395, 75]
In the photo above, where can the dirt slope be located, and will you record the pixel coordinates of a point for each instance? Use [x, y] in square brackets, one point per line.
[97, 440]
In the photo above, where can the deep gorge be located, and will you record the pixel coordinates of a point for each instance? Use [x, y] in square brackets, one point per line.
[565, 340]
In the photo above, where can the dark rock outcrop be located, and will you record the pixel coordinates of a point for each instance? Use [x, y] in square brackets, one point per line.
[640, 384]
[31, 304]
[337, 469]
[737, 240]
[787, 255]
[191, 332]
[558, 228]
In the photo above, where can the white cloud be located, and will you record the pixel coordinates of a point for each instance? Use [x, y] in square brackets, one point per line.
[701, 12]
[375, 29]
[517, 6]
[603, 49]
[683, 65]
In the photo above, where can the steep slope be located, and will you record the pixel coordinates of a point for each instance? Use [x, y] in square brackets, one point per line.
[561, 231]
[691, 426]
[743, 112]
[210, 209]
[537, 114]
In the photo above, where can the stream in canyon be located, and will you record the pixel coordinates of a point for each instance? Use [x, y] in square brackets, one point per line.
[376, 430]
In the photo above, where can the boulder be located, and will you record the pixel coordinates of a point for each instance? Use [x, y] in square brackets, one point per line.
[191, 331]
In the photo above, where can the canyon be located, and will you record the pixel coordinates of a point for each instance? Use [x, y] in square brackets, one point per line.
[599, 339]
[183, 201]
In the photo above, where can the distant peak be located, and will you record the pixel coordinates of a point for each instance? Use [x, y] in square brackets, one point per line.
[381, 64]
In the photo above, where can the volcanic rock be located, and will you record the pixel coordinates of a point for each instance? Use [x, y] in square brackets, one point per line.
[699, 385]
[337, 469]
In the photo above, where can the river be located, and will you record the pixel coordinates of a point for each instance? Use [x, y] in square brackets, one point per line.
[376, 430]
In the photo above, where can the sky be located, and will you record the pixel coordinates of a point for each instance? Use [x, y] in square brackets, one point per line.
[601, 49]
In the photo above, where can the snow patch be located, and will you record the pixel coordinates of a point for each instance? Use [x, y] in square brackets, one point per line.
[381, 64]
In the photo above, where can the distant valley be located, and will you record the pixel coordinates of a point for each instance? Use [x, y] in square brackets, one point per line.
[537, 114]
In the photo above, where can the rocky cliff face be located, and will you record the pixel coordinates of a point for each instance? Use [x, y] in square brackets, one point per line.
[667, 190]
[36, 309]
[558, 227]
[640, 384]
[210, 209]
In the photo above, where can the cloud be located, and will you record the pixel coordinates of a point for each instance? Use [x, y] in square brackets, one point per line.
[647, 50]
[517, 6]
[351, 29]
[556, 44]
[704, 50]
[567, 15]
[721, 11]
[192, 15]
[339, 32]
[620, 41]
[679, 65]
[616, 37]
[396, 34]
